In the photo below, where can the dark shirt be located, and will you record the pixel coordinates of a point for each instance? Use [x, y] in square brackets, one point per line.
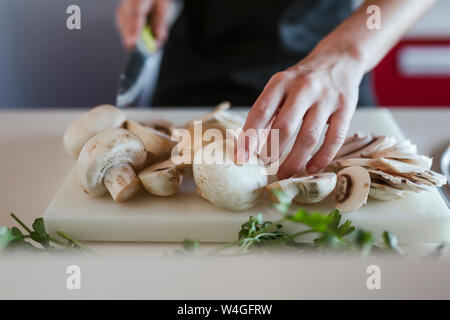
[228, 49]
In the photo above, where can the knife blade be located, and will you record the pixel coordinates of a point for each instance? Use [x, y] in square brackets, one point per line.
[445, 168]
[132, 80]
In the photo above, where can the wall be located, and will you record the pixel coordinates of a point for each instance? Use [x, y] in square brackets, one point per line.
[42, 64]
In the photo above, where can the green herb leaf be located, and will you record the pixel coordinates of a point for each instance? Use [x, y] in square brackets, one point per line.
[391, 242]
[6, 237]
[191, 246]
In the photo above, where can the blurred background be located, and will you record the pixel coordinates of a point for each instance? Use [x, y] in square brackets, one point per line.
[44, 65]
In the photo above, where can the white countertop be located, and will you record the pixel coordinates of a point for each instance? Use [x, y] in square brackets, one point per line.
[33, 165]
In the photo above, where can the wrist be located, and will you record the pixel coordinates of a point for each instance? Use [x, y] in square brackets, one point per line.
[330, 53]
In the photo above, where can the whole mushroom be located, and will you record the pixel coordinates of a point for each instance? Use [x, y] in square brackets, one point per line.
[101, 118]
[224, 183]
[353, 186]
[108, 162]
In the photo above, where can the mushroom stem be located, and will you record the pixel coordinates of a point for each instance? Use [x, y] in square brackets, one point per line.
[121, 182]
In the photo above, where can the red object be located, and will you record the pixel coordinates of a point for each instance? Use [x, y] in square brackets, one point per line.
[393, 88]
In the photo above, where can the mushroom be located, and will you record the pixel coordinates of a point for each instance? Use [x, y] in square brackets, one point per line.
[353, 185]
[353, 143]
[398, 182]
[224, 183]
[305, 190]
[384, 192]
[158, 144]
[161, 125]
[104, 117]
[162, 179]
[414, 159]
[413, 172]
[108, 162]
[377, 144]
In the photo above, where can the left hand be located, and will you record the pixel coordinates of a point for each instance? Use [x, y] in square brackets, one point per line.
[322, 89]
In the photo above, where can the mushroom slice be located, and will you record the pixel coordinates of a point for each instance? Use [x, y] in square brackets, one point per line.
[353, 184]
[305, 190]
[162, 179]
[157, 144]
[288, 186]
[410, 158]
[224, 183]
[378, 143]
[384, 192]
[412, 171]
[104, 117]
[108, 162]
[398, 182]
[354, 143]
[401, 147]
[361, 162]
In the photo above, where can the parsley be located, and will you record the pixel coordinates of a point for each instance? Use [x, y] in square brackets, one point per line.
[14, 238]
[332, 234]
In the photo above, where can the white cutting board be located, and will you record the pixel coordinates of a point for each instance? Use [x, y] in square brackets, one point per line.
[419, 218]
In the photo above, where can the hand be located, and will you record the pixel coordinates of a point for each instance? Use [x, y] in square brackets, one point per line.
[132, 17]
[322, 89]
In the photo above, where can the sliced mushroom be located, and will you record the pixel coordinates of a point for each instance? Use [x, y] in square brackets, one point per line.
[401, 147]
[305, 190]
[377, 144]
[162, 179]
[413, 172]
[362, 162]
[225, 184]
[158, 145]
[398, 182]
[104, 117]
[384, 192]
[354, 143]
[353, 184]
[414, 159]
[108, 162]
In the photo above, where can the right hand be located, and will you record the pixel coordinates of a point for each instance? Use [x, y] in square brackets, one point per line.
[132, 16]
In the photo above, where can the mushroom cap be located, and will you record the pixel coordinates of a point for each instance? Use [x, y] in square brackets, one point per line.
[104, 117]
[225, 184]
[103, 151]
[353, 186]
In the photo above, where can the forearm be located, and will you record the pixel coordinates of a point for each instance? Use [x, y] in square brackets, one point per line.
[367, 47]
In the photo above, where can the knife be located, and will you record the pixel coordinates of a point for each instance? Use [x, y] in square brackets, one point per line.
[143, 62]
[132, 80]
[445, 167]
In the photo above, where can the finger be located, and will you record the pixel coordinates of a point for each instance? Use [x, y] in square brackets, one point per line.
[307, 139]
[136, 12]
[260, 115]
[159, 21]
[121, 22]
[288, 121]
[334, 139]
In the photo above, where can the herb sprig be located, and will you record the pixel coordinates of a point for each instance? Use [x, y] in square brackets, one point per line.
[332, 234]
[14, 238]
